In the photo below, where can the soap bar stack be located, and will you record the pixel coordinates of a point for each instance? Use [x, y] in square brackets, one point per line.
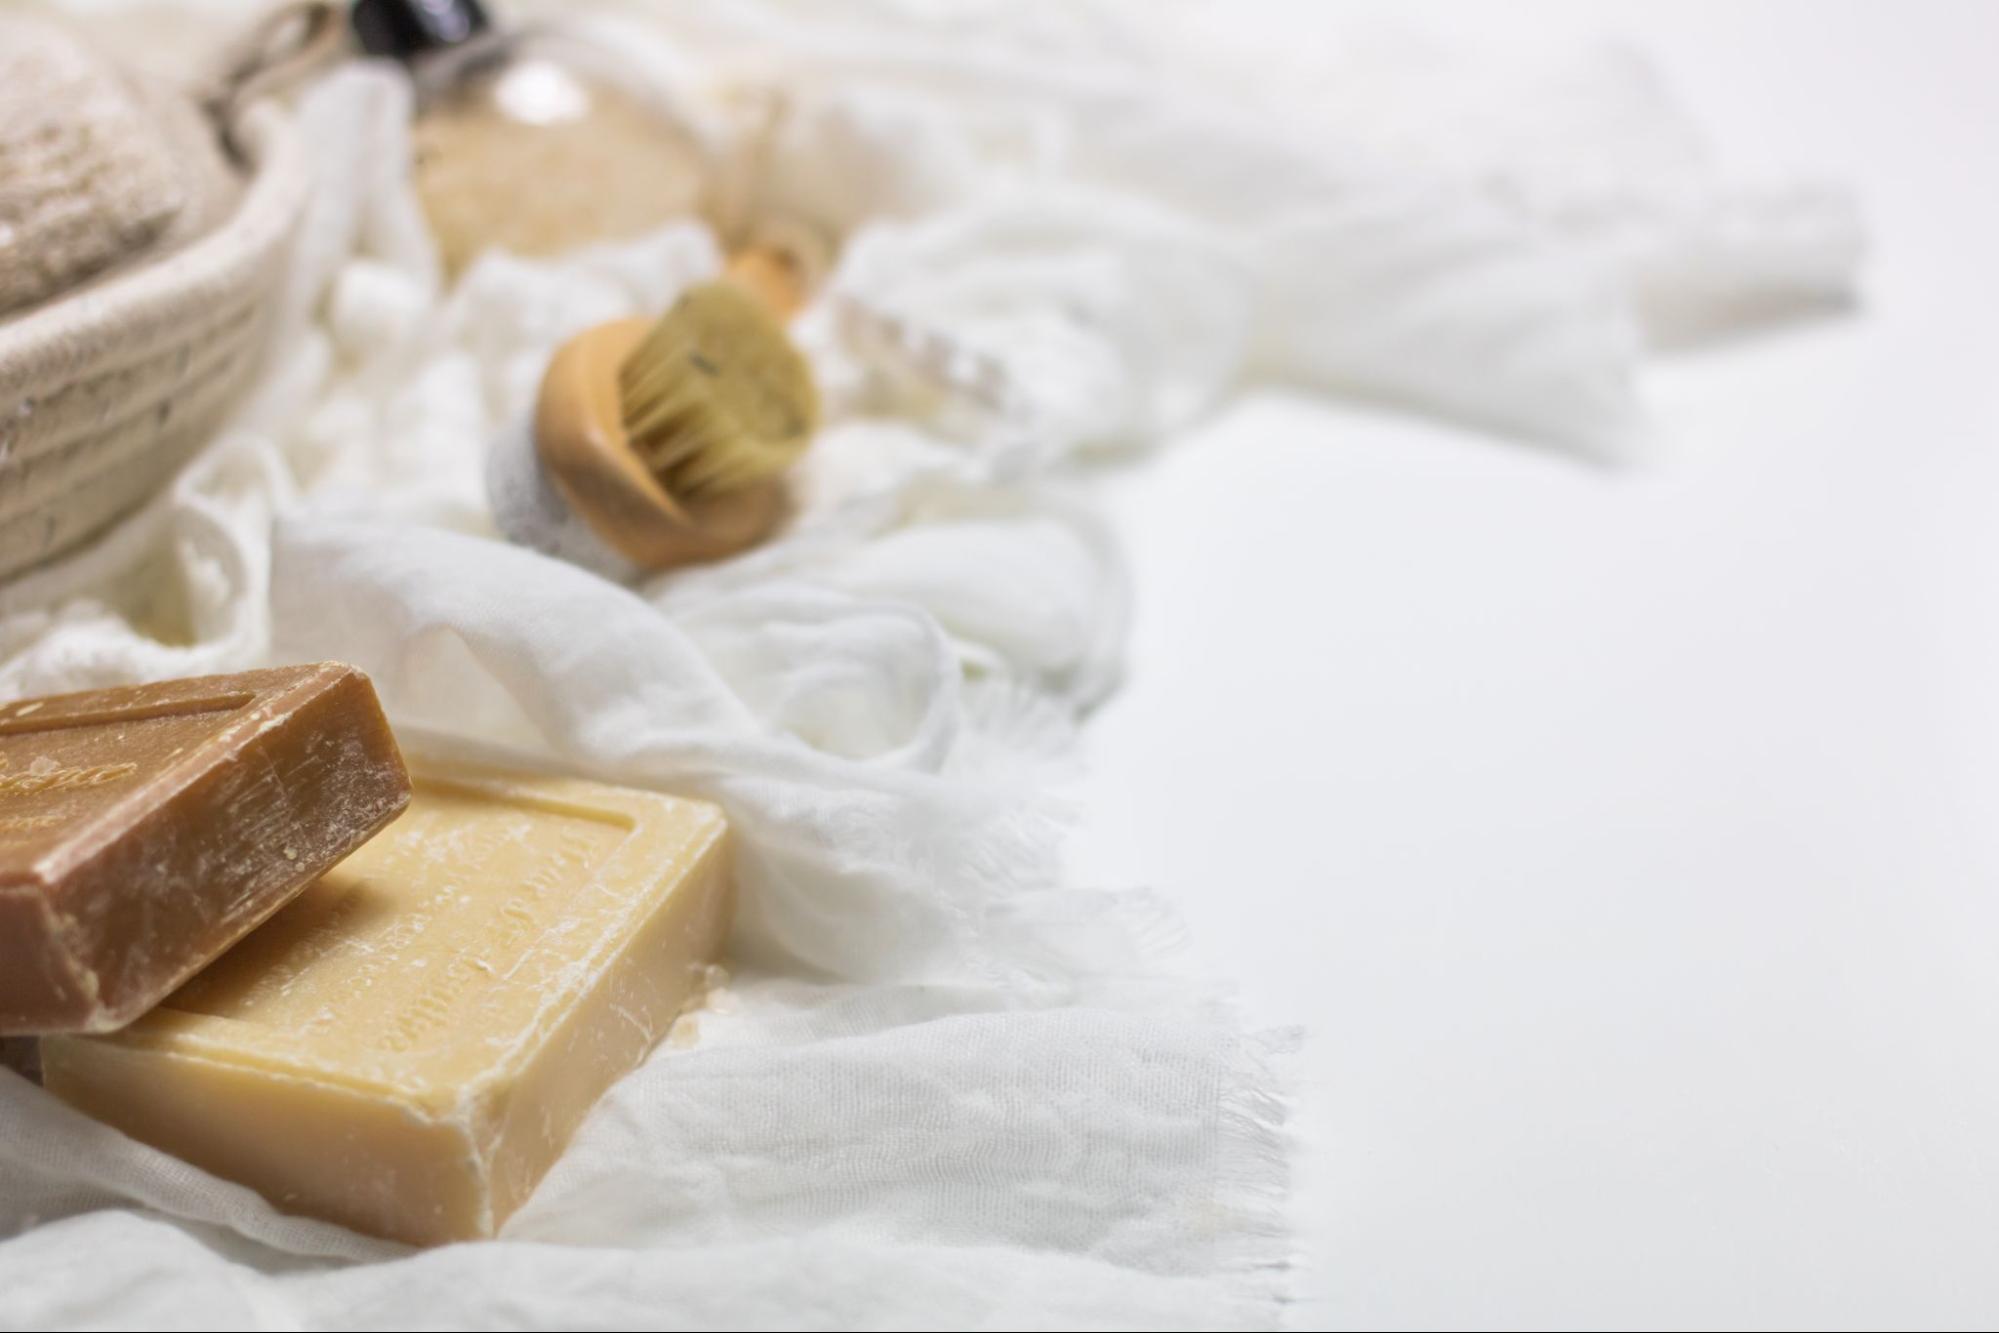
[409, 1040]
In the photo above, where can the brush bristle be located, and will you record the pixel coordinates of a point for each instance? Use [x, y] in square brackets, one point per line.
[716, 397]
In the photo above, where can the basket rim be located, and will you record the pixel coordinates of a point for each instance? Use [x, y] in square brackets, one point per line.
[40, 349]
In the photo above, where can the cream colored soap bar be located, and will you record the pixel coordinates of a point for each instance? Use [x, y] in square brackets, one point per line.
[408, 1046]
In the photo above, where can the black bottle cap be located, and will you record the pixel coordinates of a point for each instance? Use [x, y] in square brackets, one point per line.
[409, 28]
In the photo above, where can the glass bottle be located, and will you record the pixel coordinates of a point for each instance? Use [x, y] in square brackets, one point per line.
[532, 139]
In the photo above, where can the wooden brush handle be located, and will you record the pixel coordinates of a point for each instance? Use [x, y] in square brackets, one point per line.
[773, 275]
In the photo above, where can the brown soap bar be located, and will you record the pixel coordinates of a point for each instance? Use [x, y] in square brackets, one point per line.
[146, 829]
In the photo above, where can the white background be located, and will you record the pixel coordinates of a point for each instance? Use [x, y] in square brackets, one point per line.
[1628, 840]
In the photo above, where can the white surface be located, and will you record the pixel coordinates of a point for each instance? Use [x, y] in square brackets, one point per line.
[1626, 839]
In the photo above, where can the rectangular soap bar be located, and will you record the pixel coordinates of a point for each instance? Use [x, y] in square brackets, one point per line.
[409, 1046]
[144, 830]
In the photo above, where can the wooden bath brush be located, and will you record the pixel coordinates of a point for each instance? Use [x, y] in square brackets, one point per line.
[665, 441]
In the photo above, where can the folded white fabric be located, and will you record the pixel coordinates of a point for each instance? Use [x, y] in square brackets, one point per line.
[944, 1088]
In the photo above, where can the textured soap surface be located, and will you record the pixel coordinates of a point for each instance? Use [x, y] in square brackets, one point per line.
[143, 830]
[408, 1047]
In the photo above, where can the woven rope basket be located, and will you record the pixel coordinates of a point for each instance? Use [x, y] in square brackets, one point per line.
[109, 387]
